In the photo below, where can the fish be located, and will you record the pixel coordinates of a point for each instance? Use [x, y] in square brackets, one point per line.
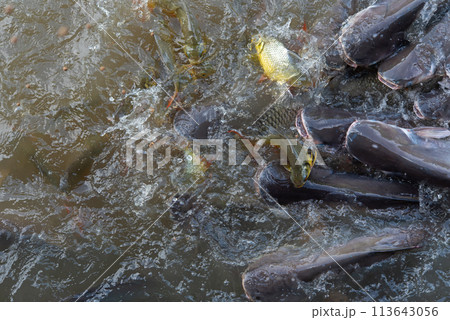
[279, 63]
[274, 186]
[75, 170]
[80, 167]
[326, 125]
[280, 275]
[419, 62]
[194, 45]
[199, 122]
[433, 105]
[7, 238]
[422, 154]
[378, 31]
[324, 32]
[276, 123]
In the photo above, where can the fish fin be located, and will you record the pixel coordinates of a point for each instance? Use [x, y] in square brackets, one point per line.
[295, 57]
[262, 78]
[172, 98]
[432, 133]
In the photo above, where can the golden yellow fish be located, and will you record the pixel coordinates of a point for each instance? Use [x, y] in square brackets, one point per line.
[279, 63]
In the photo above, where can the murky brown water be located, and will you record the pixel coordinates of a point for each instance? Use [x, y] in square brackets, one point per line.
[64, 241]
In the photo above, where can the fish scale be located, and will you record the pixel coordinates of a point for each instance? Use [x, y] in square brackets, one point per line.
[279, 63]
[277, 120]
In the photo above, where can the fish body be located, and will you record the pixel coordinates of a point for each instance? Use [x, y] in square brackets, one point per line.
[433, 105]
[274, 183]
[194, 46]
[421, 153]
[198, 123]
[279, 63]
[378, 31]
[325, 125]
[280, 274]
[419, 62]
[276, 123]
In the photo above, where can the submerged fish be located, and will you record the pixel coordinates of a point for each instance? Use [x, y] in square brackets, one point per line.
[198, 123]
[6, 239]
[433, 105]
[276, 123]
[419, 62]
[279, 63]
[323, 184]
[421, 153]
[194, 45]
[378, 31]
[280, 274]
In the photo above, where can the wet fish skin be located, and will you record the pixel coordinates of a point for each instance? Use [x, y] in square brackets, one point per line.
[324, 124]
[377, 32]
[280, 274]
[420, 153]
[276, 123]
[194, 46]
[323, 184]
[433, 105]
[77, 171]
[7, 238]
[419, 62]
[279, 63]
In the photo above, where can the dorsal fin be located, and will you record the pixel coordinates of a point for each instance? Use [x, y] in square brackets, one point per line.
[432, 132]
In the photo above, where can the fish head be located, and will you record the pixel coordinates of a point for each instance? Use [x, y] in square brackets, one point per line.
[430, 105]
[195, 51]
[267, 283]
[411, 66]
[258, 42]
[301, 163]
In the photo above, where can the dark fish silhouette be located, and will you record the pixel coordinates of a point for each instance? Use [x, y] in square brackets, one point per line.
[279, 275]
[421, 153]
[419, 62]
[378, 31]
[323, 184]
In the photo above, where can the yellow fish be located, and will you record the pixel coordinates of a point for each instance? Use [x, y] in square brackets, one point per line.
[279, 63]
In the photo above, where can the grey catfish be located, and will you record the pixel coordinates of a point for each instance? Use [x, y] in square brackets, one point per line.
[324, 124]
[280, 274]
[421, 153]
[378, 31]
[419, 62]
[325, 185]
[328, 125]
[436, 103]
[433, 105]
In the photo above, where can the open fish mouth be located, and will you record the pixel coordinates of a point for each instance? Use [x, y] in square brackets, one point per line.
[301, 125]
[345, 55]
[388, 83]
[417, 110]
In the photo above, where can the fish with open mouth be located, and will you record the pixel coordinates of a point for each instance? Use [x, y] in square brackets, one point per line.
[378, 31]
[279, 275]
[421, 153]
[433, 105]
[436, 103]
[419, 62]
